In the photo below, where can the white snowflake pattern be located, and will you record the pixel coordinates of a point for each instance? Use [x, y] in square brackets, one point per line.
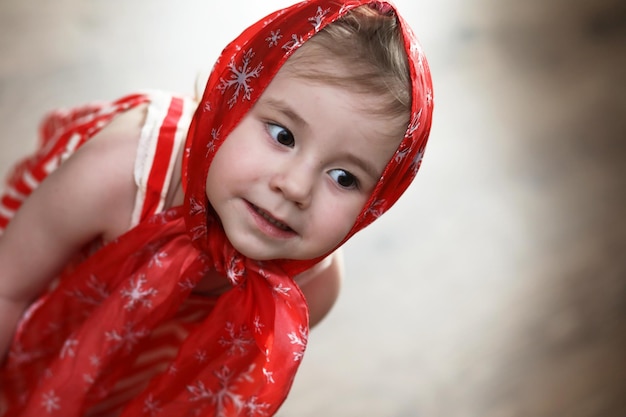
[236, 270]
[269, 376]
[201, 356]
[19, 356]
[293, 44]
[98, 292]
[68, 348]
[227, 395]
[258, 326]
[151, 406]
[254, 408]
[299, 339]
[376, 209]
[237, 342]
[127, 338]
[95, 361]
[414, 125]
[240, 78]
[89, 381]
[401, 155]
[318, 18]
[136, 294]
[198, 232]
[161, 218]
[281, 289]
[50, 402]
[215, 135]
[187, 285]
[195, 208]
[273, 39]
[156, 259]
[417, 161]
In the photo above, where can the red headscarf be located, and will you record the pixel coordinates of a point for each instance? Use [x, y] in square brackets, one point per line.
[241, 359]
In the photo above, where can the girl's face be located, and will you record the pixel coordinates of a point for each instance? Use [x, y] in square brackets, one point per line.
[290, 180]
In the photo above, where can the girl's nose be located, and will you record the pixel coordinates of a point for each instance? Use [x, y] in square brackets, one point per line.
[295, 182]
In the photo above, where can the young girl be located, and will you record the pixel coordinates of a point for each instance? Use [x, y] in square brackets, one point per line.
[176, 253]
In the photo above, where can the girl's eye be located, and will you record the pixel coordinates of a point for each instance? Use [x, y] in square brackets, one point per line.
[281, 135]
[344, 178]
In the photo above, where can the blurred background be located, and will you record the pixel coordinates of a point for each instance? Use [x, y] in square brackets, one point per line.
[496, 287]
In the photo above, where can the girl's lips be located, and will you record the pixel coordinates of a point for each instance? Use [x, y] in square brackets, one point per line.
[269, 224]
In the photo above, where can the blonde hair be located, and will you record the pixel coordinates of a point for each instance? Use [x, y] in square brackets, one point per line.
[364, 52]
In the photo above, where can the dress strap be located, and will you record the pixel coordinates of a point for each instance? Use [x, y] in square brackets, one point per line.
[162, 136]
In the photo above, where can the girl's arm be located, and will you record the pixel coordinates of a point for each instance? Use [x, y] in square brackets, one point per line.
[320, 286]
[90, 196]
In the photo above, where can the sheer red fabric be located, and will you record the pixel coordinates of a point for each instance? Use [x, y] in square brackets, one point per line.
[242, 357]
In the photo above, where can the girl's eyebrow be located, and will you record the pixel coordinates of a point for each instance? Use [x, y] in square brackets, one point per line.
[284, 108]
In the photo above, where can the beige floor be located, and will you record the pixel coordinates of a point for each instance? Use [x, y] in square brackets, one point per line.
[497, 286]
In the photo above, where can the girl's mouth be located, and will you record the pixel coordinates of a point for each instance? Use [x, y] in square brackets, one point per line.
[270, 219]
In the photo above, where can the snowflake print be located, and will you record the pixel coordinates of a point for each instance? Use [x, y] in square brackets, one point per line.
[126, 339]
[281, 289]
[253, 408]
[207, 107]
[199, 392]
[258, 326]
[50, 402]
[215, 135]
[221, 397]
[235, 270]
[226, 395]
[136, 294]
[293, 44]
[240, 78]
[417, 161]
[19, 356]
[94, 361]
[299, 339]
[236, 342]
[273, 39]
[376, 209]
[155, 260]
[269, 376]
[187, 285]
[414, 125]
[318, 18]
[401, 154]
[198, 232]
[201, 356]
[264, 274]
[196, 207]
[98, 292]
[151, 406]
[89, 380]
[68, 348]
